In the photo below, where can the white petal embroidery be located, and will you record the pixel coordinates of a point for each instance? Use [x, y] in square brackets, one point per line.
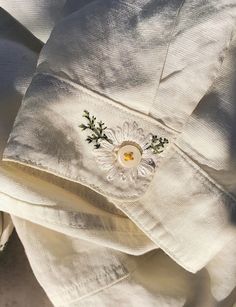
[107, 154]
[126, 153]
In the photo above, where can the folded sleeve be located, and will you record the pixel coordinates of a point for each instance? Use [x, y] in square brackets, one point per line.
[144, 69]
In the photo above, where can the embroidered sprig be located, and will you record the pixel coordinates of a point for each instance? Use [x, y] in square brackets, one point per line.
[128, 152]
[157, 144]
[97, 129]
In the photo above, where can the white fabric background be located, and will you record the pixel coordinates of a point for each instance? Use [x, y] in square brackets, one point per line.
[86, 249]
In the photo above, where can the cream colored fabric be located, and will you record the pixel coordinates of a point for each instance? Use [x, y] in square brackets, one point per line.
[168, 240]
[40, 16]
[6, 228]
[18, 56]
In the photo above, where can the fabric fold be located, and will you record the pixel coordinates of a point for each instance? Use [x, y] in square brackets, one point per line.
[18, 56]
[82, 67]
[6, 228]
[149, 63]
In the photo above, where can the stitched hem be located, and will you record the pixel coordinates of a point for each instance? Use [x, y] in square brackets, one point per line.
[163, 235]
[34, 164]
[74, 291]
[83, 176]
[140, 245]
[76, 288]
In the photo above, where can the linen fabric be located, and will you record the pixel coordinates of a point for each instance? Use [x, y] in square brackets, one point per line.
[168, 240]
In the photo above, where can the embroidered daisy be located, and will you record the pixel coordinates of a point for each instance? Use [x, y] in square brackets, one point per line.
[128, 155]
[125, 153]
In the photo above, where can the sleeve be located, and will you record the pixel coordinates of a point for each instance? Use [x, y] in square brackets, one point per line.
[141, 68]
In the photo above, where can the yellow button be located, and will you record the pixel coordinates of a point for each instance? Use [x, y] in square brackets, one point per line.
[129, 156]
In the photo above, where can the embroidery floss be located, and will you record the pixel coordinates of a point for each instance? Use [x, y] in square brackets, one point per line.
[125, 153]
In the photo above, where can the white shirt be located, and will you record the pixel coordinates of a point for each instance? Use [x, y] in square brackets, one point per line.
[167, 68]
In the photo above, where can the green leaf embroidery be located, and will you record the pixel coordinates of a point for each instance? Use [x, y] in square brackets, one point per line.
[97, 129]
[157, 144]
